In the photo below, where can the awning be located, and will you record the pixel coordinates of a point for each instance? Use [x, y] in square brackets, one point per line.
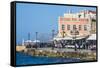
[92, 37]
[68, 38]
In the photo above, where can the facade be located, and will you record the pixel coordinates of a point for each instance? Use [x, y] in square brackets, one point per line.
[92, 15]
[76, 24]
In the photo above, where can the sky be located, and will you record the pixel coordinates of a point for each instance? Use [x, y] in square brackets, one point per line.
[41, 18]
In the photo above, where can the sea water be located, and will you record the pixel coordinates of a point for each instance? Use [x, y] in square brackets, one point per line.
[24, 59]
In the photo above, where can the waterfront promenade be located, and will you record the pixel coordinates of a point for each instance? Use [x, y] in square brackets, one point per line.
[59, 52]
[20, 48]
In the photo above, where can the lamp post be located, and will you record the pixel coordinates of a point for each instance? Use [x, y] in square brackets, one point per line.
[74, 32]
[29, 45]
[63, 33]
[52, 38]
[53, 33]
[36, 38]
[75, 38]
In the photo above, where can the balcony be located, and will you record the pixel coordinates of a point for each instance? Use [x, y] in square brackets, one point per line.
[74, 32]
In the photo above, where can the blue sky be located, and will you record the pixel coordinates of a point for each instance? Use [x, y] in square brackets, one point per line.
[40, 18]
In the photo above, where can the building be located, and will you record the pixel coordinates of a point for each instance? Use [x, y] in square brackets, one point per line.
[29, 42]
[92, 15]
[76, 24]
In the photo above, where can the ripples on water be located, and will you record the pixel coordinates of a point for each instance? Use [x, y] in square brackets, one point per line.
[23, 59]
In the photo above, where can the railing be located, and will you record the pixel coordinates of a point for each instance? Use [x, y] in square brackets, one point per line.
[74, 32]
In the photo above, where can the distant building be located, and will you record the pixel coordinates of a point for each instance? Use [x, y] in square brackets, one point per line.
[29, 42]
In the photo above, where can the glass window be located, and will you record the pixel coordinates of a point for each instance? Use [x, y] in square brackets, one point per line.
[68, 27]
[85, 27]
[63, 27]
[74, 27]
[80, 27]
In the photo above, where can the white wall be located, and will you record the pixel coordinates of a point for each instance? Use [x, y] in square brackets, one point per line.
[5, 34]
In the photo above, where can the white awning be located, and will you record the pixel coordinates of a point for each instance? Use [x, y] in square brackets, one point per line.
[92, 37]
[65, 38]
[69, 38]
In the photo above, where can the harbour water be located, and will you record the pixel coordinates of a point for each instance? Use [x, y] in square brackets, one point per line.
[23, 59]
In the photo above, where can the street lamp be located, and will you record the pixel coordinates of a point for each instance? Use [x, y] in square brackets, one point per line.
[63, 33]
[36, 38]
[29, 45]
[74, 32]
[53, 33]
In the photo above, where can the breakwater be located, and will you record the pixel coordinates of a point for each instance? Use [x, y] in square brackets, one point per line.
[47, 52]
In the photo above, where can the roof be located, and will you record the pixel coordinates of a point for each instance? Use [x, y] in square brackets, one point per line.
[93, 12]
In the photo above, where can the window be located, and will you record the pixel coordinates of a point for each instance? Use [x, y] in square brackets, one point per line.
[85, 27]
[80, 27]
[74, 27]
[68, 27]
[63, 27]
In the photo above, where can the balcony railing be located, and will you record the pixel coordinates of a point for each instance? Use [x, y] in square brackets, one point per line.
[74, 32]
